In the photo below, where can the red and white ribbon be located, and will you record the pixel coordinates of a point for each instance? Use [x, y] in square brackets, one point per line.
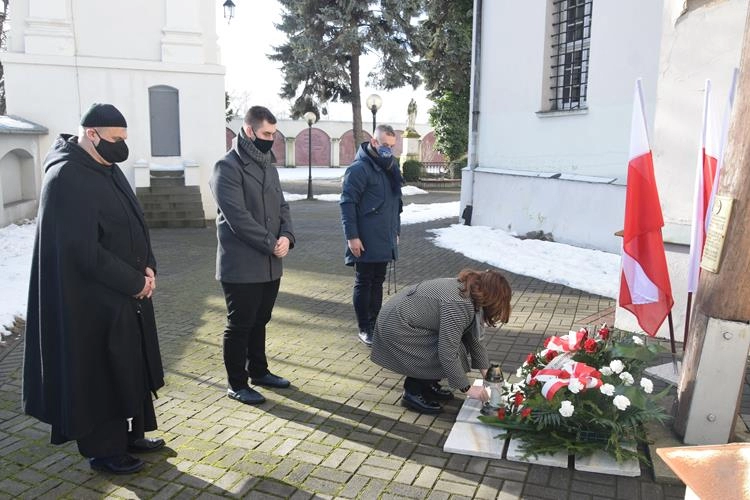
[554, 379]
[573, 341]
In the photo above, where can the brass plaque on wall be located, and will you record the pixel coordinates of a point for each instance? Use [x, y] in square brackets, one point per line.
[717, 232]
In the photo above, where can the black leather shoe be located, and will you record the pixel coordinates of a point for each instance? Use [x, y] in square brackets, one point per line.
[247, 396]
[439, 393]
[366, 338]
[120, 464]
[418, 403]
[271, 380]
[146, 445]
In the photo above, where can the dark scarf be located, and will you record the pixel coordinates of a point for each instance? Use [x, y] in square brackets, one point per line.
[246, 144]
[394, 174]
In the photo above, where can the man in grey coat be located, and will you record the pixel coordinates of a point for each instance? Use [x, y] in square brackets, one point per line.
[254, 230]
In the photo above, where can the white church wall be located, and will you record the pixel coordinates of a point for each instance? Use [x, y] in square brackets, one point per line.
[20, 180]
[515, 133]
[698, 44]
[120, 54]
[575, 212]
[589, 147]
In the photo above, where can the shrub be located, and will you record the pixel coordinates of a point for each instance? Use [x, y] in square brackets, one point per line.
[456, 167]
[412, 169]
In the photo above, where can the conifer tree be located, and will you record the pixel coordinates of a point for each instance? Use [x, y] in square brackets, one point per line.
[326, 40]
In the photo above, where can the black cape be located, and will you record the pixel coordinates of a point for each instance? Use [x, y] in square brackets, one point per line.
[91, 349]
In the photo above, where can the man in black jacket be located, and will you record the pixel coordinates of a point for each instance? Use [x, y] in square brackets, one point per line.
[254, 229]
[92, 360]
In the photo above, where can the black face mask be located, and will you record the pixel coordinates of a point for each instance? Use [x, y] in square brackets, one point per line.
[112, 152]
[263, 145]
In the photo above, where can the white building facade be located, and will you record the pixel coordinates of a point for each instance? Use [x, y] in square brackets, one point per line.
[552, 97]
[157, 61]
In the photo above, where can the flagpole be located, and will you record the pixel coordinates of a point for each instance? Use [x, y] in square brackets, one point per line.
[687, 320]
[671, 341]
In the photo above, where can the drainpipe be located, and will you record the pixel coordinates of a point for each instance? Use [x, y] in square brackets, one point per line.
[467, 193]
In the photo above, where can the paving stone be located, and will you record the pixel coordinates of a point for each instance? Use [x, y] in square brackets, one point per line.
[340, 431]
[427, 477]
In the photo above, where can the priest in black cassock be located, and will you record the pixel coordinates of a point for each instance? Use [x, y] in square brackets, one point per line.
[91, 360]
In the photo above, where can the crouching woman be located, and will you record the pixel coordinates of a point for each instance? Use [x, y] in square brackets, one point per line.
[429, 331]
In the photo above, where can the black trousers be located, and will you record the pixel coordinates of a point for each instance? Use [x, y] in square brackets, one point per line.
[111, 438]
[249, 307]
[368, 292]
[418, 386]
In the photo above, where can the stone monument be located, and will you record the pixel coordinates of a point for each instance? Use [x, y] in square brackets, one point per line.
[411, 138]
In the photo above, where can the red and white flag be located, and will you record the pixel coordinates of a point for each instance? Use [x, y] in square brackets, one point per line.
[724, 137]
[705, 172]
[645, 289]
[710, 158]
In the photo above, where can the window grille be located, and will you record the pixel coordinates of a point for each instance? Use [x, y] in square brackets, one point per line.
[571, 36]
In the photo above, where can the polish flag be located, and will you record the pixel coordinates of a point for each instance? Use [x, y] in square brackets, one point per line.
[713, 140]
[705, 173]
[723, 138]
[645, 289]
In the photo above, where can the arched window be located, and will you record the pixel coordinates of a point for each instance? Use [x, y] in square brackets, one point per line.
[164, 112]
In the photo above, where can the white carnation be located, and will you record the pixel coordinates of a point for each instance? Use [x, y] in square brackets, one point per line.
[648, 386]
[519, 372]
[607, 389]
[627, 378]
[575, 386]
[606, 370]
[566, 409]
[621, 402]
[637, 340]
[617, 366]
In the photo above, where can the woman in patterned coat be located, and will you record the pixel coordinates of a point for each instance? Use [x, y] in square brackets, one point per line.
[428, 331]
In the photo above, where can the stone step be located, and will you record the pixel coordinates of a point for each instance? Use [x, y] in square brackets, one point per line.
[169, 198]
[173, 214]
[176, 223]
[167, 174]
[168, 190]
[167, 181]
[155, 204]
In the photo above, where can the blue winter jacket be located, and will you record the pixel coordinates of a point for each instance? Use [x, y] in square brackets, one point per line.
[370, 209]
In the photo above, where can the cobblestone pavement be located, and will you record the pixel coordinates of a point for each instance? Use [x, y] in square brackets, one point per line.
[339, 431]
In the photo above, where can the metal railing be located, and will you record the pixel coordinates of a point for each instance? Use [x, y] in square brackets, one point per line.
[436, 170]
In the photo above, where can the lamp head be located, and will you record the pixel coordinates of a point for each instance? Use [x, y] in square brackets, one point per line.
[228, 10]
[310, 118]
[374, 101]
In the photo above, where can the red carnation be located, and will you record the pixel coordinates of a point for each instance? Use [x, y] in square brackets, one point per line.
[550, 356]
[590, 345]
[534, 371]
[532, 382]
[547, 341]
[604, 332]
[531, 358]
[518, 398]
[525, 412]
[584, 331]
[501, 413]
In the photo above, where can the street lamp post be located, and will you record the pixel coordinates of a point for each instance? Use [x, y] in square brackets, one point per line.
[310, 118]
[373, 103]
[228, 10]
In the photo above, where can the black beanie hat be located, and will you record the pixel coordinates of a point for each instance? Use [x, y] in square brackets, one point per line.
[103, 115]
